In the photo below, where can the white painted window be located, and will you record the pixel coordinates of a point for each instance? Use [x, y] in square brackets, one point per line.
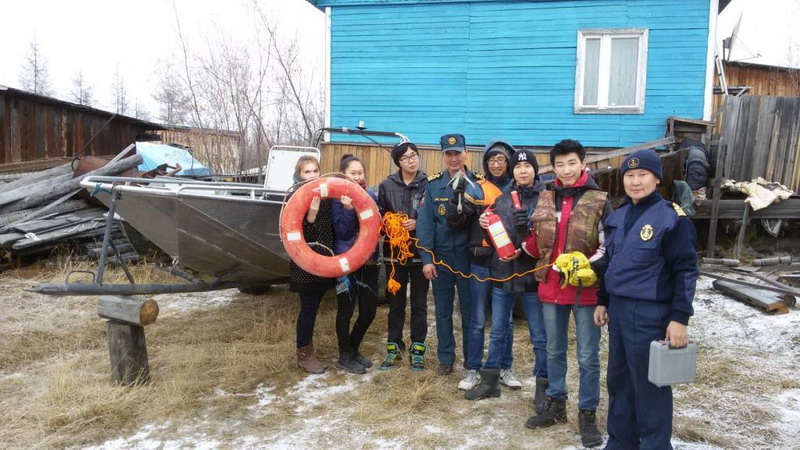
[611, 71]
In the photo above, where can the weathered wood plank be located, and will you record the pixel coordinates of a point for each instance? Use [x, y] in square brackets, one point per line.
[73, 184]
[29, 180]
[770, 302]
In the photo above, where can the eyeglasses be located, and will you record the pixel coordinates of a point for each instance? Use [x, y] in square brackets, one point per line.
[496, 161]
[408, 158]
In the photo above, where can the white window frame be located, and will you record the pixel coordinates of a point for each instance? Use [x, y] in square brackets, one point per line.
[605, 35]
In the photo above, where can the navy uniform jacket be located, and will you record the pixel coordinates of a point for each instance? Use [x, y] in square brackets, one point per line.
[651, 255]
[432, 230]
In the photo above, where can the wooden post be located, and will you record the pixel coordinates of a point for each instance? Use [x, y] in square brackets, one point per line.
[128, 351]
[737, 249]
[126, 342]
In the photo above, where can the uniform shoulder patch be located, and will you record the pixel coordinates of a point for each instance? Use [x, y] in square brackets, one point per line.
[434, 176]
[678, 210]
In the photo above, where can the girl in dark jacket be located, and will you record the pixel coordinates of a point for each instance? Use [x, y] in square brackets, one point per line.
[524, 169]
[317, 228]
[360, 286]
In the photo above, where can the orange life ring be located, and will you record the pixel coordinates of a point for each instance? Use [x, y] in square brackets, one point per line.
[295, 242]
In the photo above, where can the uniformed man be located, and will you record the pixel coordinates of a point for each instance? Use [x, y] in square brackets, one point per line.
[448, 245]
[646, 294]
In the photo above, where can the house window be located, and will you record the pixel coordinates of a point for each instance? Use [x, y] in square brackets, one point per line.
[611, 71]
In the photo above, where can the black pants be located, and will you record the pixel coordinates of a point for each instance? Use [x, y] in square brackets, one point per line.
[362, 290]
[406, 275]
[309, 305]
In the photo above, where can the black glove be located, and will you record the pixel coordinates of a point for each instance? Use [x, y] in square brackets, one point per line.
[461, 187]
[521, 221]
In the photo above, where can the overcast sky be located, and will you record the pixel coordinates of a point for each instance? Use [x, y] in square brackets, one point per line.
[99, 36]
[769, 32]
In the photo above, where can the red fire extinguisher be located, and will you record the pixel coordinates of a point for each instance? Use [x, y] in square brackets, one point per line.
[497, 232]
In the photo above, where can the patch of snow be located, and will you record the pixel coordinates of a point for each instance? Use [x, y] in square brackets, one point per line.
[788, 404]
[182, 303]
[738, 328]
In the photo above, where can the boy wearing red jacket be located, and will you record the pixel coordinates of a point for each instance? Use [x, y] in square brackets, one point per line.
[568, 233]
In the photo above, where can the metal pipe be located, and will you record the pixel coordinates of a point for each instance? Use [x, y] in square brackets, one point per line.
[101, 266]
[127, 289]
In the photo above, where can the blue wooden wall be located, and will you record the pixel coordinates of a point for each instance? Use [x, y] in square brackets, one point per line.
[506, 69]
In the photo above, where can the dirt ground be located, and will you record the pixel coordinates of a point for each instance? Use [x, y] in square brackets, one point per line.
[223, 376]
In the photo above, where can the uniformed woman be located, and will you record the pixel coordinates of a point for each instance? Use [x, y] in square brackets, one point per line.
[646, 295]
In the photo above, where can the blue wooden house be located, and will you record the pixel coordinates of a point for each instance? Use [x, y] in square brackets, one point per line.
[606, 72]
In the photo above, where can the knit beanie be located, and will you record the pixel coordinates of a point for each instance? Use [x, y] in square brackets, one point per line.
[400, 149]
[642, 159]
[525, 156]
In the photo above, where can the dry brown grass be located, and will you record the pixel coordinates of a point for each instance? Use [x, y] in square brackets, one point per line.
[206, 365]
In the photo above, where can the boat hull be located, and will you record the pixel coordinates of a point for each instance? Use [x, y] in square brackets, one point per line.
[228, 231]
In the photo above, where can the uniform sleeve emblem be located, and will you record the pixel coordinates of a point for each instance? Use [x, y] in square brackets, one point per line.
[646, 233]
[442, 210]
[633, 163]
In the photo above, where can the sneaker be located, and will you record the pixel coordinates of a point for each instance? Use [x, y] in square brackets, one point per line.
[417, 356]
[444, 369]
[472, 379]
[508, 379]
[393, 353]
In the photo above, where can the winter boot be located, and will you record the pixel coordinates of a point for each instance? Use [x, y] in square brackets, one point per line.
[417, 356]
[307, 361]
[489, 386]
[587, 422]
[361, 359]
[540, 396]
[555, 411]
[508, 379]
[349, 364]
[393, 353]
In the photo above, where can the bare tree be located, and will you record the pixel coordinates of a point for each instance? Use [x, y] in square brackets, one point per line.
[34, 76]
[120, 95]
[139, 111]
[256, 90]
[81, 93]
[174, 102]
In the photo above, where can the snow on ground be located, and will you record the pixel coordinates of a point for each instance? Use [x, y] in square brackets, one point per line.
[178, 304]
[735, 329]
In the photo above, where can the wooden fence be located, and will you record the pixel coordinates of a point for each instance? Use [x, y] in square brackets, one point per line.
[379, 164]
[760, 137]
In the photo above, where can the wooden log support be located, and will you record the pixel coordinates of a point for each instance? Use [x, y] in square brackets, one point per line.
[128, 351]
[770, 302]
[126, 342]
[128, 309]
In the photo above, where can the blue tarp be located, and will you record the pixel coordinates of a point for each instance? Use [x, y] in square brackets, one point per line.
[155, 155]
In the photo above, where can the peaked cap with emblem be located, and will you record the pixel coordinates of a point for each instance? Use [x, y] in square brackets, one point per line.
[453, 142]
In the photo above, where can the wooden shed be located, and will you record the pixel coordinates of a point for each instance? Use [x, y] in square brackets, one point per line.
[36, 127]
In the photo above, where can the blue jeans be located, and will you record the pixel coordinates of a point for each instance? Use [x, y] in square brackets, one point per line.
[444, 287]
[481, 298]
[503, 306]
[556, 323]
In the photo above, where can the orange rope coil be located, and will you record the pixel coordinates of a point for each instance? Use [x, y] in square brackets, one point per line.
[400, 242]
